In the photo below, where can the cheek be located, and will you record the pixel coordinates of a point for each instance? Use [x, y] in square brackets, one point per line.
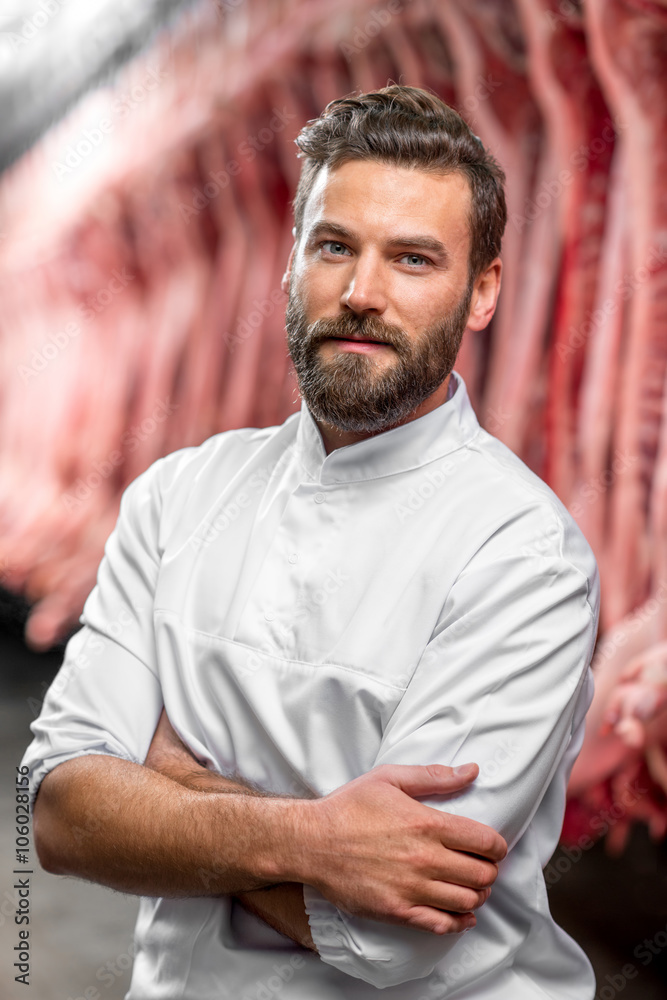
[420, 308]
[425, 303]
[317, 288]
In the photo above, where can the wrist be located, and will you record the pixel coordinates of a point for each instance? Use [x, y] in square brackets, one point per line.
[285, 848]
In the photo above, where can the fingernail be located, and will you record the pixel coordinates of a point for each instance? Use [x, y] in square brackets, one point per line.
[462, 768]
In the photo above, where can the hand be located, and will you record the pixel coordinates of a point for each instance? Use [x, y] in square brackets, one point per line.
[370, 848]
[375, 852]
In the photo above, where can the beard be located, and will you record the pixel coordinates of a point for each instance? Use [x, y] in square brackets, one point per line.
[352, 391]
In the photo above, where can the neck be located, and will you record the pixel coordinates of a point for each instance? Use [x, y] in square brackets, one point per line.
[333, 438]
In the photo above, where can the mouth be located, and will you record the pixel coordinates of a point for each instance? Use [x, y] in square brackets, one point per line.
[355, 345]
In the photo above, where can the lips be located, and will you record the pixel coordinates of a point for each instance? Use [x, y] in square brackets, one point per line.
[360, 340]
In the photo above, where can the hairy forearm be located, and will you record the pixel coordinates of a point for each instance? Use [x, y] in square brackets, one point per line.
[280, 906]
[138, 831]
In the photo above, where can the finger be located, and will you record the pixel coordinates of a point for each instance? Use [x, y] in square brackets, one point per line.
[461, 834]
[461, 869]
[429, 779]
[451, 897]
[428, 918]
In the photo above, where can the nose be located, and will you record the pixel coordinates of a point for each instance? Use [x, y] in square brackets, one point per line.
[364, 291]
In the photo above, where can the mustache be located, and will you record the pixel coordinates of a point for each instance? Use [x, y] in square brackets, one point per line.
[363, 327]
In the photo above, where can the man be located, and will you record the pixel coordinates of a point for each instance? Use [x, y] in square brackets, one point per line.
[325, 617]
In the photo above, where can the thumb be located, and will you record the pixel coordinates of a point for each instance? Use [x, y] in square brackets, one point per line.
[429, 779]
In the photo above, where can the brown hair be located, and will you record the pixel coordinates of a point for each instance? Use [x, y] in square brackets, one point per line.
[409, 127]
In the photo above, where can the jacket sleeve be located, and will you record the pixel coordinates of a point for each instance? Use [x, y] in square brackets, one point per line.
[106, 697]
[504, 682]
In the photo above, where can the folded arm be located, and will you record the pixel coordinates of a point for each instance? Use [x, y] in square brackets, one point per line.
[126, 825]
[369, 847]
[504, 682]
[281, 906]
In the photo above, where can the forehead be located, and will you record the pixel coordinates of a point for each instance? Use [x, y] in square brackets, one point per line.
[373, 197]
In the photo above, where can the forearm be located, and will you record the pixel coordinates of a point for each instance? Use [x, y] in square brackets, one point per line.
[131, 828]
[362, 848]
[280, 906]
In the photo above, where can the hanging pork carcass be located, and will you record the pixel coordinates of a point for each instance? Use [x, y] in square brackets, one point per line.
[143, 242]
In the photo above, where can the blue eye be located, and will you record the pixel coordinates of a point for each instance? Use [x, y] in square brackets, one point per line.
[334, 243]
[415, 257]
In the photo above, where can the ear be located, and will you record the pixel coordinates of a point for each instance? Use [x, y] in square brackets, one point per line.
[485, 296]
[284, 284]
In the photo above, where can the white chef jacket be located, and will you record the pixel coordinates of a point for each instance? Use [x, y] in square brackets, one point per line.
[417, 597]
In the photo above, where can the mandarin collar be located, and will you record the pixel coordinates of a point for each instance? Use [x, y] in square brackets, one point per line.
[435, 434]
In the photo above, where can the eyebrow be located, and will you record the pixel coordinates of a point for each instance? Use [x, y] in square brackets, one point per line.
[419, 240]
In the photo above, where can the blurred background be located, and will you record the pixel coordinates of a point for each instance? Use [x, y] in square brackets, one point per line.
[148, 164]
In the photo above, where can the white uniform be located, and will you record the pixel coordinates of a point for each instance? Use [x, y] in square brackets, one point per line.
[418, 597]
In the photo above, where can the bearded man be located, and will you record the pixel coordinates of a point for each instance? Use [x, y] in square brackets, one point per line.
[327, 621]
